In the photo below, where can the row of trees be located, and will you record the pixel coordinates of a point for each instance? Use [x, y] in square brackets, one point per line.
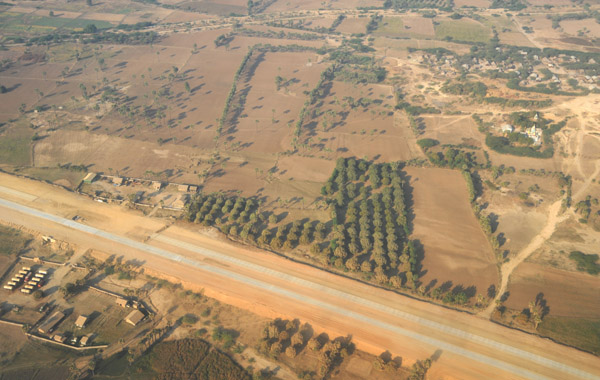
[319, 91]
[453, 158]
[241, 218]
[233, 90]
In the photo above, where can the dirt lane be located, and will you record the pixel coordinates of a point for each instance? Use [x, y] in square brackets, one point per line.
[269, 285]
[554, 219]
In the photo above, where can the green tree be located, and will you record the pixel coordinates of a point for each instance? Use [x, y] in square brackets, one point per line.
[90, 28]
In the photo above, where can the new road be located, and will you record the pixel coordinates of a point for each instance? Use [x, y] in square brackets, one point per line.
[332, 300]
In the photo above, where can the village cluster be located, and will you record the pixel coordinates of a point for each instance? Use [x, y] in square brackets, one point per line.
[539, 69]
[139, 192]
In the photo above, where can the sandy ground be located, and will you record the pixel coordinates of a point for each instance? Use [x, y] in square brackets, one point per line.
[467, 347]
[554, 218]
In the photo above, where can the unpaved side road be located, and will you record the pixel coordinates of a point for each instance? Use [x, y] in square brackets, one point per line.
[554, 218]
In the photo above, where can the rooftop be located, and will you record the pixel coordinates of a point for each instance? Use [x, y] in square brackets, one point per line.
[134, 317]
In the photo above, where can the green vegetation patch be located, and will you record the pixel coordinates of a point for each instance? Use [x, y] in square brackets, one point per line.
[36, 356]
[391, 26]
[15, 22]
[55, 174]
[12, 241]
[511, 5]
[79, 24]
[586, 262]
[578, 332]
[193, 358]
[179, 359]
[462, 31]
[15, 147]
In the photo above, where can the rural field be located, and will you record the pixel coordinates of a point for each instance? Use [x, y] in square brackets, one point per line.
[230, 168]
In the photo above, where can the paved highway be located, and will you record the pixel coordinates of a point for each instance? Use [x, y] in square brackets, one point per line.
[563, 370]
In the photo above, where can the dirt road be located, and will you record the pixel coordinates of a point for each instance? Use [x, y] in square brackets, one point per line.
[465, 346]
[554, 218]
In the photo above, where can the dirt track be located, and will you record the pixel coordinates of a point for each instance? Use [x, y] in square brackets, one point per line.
[554, 218]
[465, 346]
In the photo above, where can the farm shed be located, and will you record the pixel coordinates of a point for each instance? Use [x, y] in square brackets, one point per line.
[181, 201]
[135, 317]
[85, 340]
[59, 338]
[81, 321]
[50, 323]
[122, 302]
[89, 178]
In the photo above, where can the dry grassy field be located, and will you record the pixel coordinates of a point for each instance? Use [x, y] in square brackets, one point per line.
[588, 27]
[453, 130]
[353, 25]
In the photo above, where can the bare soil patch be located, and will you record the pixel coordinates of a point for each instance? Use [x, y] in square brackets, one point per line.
[518, 227]
[568, 294]
[354, 131]
[556, 3]
[542, 28]
[452, 130]
[514, 38]
[472, 3]
[301, 5]
[12, 340]
[456, 249]
[353, 25]
[323, 22]
[589, 26]
[419, 25]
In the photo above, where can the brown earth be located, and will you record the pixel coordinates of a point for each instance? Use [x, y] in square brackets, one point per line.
[455, 247]
[268, 116]
[353, 25]
[419, 25]
[472, 3]
[301, 5]
[568, 294]
[452, 129]
[354, 132]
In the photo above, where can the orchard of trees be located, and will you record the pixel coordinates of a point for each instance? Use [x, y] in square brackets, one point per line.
[370, 222]
[368, 233]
